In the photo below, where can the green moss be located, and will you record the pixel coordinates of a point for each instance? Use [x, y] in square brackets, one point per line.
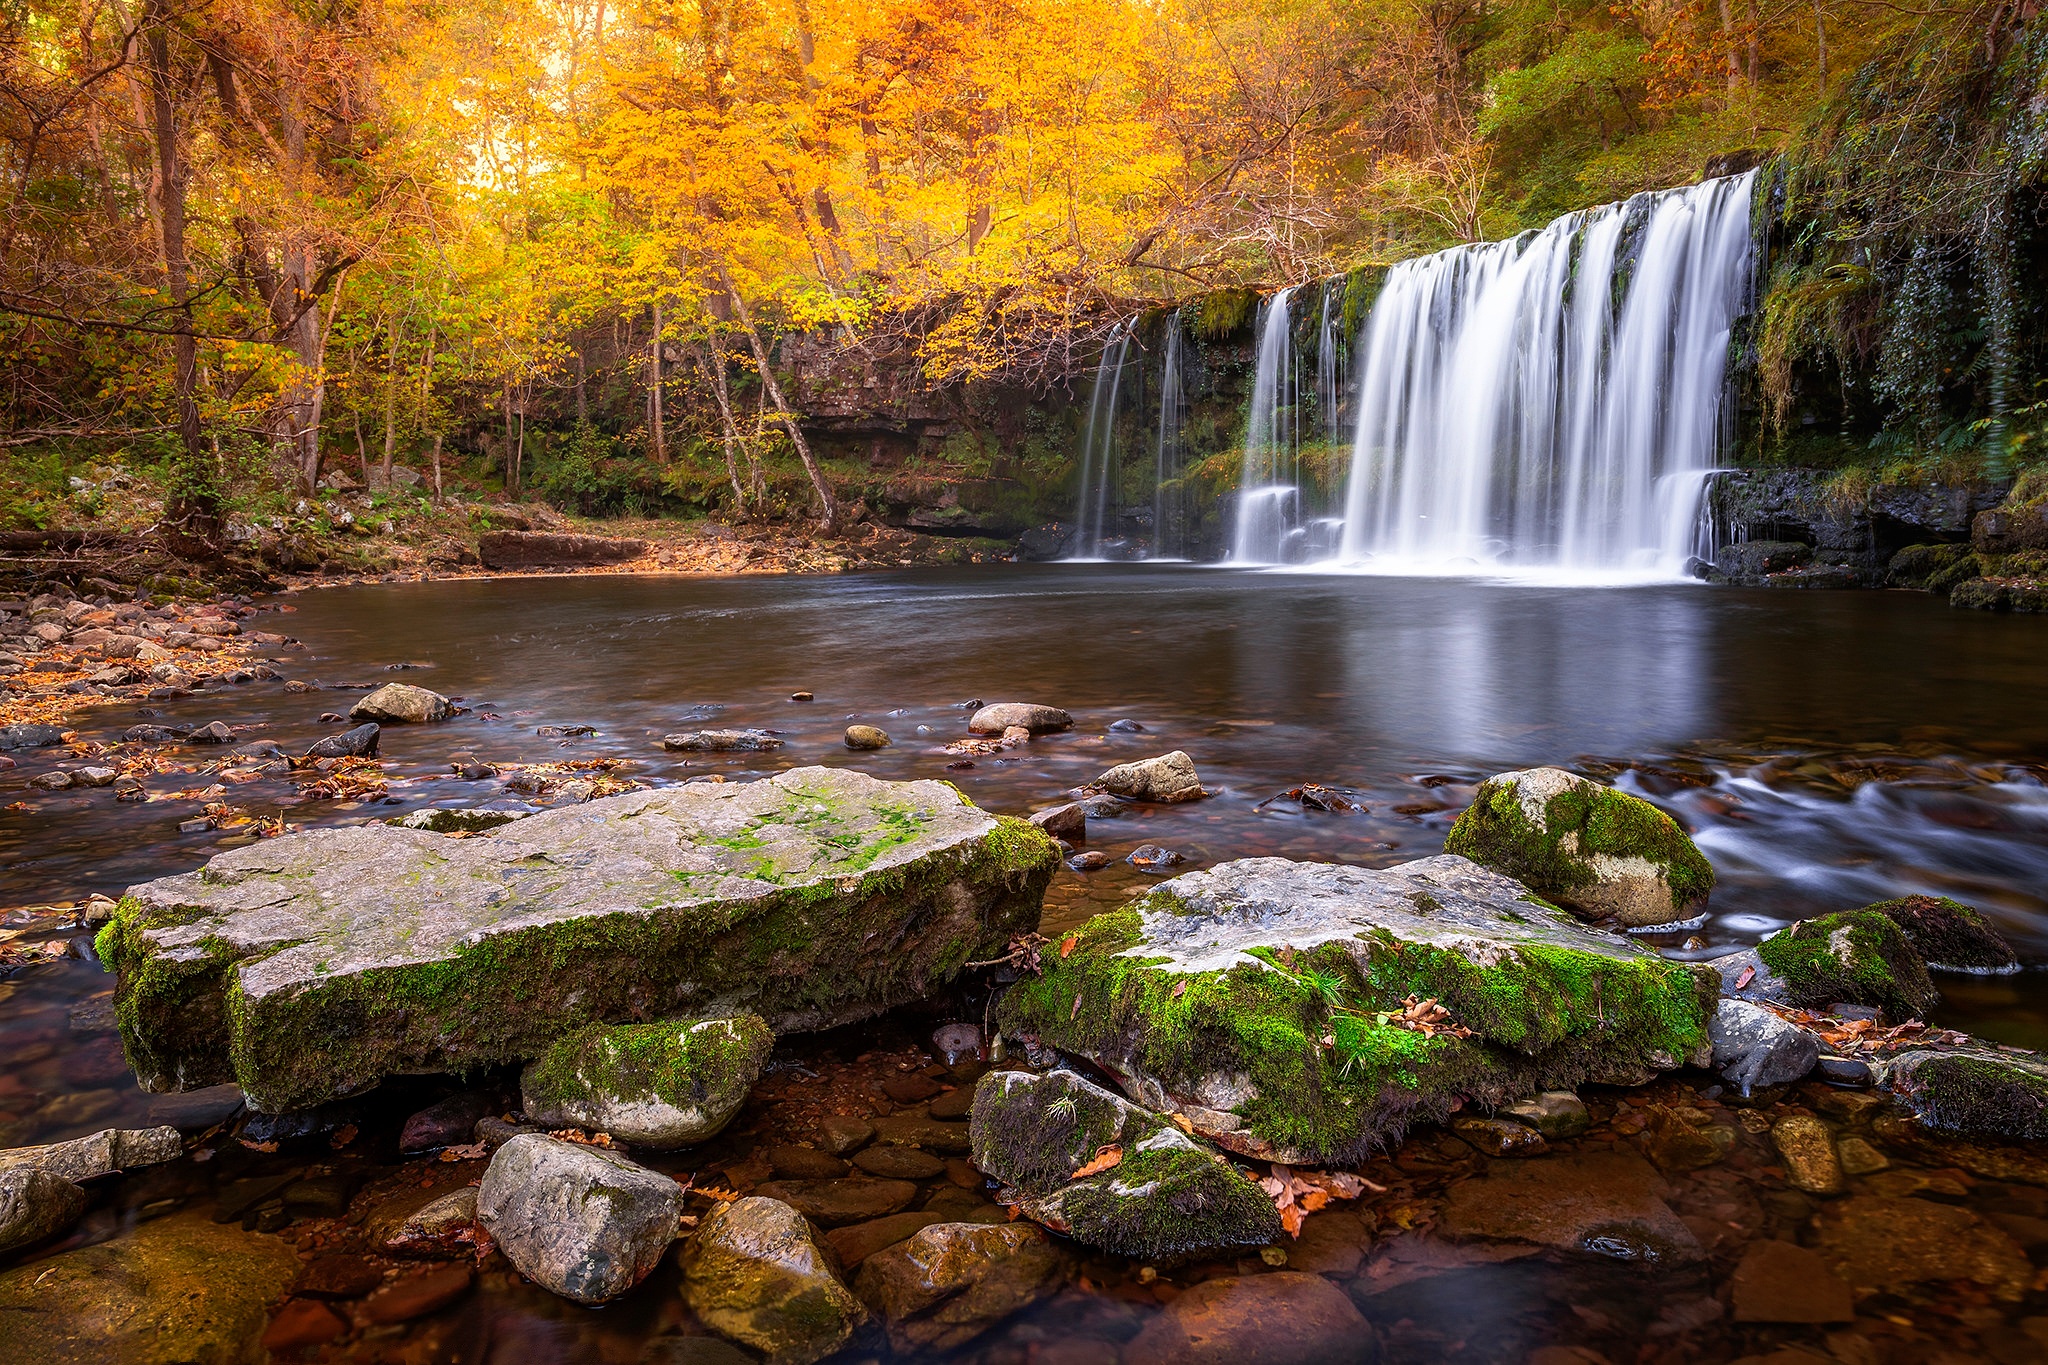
[1217, 315]
[1858, 957]
[1167, 1203]
[1553, 856]
[679, 1063]
[1947, 933]
[1980, 1095]
[1362, 286]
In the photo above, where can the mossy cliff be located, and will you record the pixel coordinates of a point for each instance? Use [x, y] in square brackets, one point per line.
[316, 964]
[1264, 1000]
[1597, 850]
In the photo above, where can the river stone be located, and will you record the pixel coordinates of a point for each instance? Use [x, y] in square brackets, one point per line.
[98, 1154]
[1288, 1318]
[1879, 1243]
[402, 704]
[1949, 935]
[34, 1204]
[169, 1291]
[1784, 1282]
[655, 1085]
[1170, 1196]
[360, 742]
[424, 1223]
[720, 741]
[1601, 852]
[949, 1283]
[1597, 1203]
[1808, 1150]
[866, 737]
[446, 1123]
[1069, 822]
[1167, 778]
[30, 736]
[314, 965]
[1207, 996]
[581, 1221]
[858, 1241]
[832, 1202]
[1995, 1094]
[1858, 957]
[754, 1274]
[1754, 1048]
[1000, 716]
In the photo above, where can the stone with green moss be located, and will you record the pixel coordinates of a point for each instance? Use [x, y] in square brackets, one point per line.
[1168, 1196]
[1858, 957]
[662, 1085]
[1949, 935]
[314, 965]
[1980, 1092]
[1260, 1000]
[1590, 848]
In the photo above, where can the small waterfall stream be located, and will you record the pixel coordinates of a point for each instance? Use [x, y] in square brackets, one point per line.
[1554, 401]
[1269, 493]
[1169, 495]
[1099, 503]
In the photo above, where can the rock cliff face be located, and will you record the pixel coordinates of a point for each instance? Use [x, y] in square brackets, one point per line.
[1850, 534]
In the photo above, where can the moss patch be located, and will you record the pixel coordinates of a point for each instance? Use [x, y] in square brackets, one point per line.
[1948, 933]
[708, 1063]
[1858, 957]
[1979, 1095]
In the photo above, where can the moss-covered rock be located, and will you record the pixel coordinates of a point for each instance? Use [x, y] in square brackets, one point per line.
[1169, 1195]
[1858, 957]
[1261, 1000]
[754, 1273]
[1601, 852]
[316, 964]
[660, 1085]
[1949, 935]
[1995, 1094]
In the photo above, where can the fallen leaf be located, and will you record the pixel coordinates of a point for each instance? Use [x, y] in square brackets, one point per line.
[343, 1136]
[1181, 1122]
[1105, 1159]
[1067, 947]
[1076, 1014]
[475, 1151]
[1180, 988]
[1748, 975]
[257, 1146]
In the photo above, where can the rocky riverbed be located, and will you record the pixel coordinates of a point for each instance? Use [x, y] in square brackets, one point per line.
[796, 1063]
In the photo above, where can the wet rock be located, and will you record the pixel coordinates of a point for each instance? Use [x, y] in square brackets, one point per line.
[1209, 996]
[1167, 778]
[1069, 822]
[462, 820]
[801, 1163]
[498, 1130]
[1676, 1145]
[154, 734]
[1286, 1318]
[753, 1274]
[720, 741]
[833, 1202]
[1949, 935]
[899, 1163]
[1331, 1242]
[402, 704]
[425, 1223]
[1979, 1091]
[30, 736]
[361, 742]
[958, 1042]
[1500, 1137]
[324, 1196]
[218, 732]
[957, 1103]
[950, 1282]
[301, 1323]
[1153, 858]
[909, 1130]
[50, 782]
[1859, 1158]
[194, 1111]
[415, 1296]
[841, 1134]
[101, 1153]
[338, 1275]
[447, 1123]
[910, 1089]
[1808, 1151]
[662, 1085]
[1168, 1196]
[1849, 1071]
[1126, 727]
[1593, 849]
[1754, 1048]
[1556, 1114]
[581, 1221]
[1039, 720]
[167, 1291]
[859, 1241]
[444, 955]
[1091, 861]
[1598, 1203]
[1858, 957]
[1783, 1282]
[866, 737]
[1748, 561]
[35, 1204]
[1879, 1243]
[93, 777]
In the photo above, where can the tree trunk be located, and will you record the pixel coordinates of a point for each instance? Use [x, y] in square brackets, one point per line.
[391, 398]
[830, 516]
[1728, 39]
[714, 374]
[437, 468]
[511, 479]
[654, 391]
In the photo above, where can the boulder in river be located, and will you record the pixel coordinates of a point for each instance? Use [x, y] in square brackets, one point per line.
[866, 737]
[1857, 957]
[754, 1273]
[720, 741]
[316, 964]
[1755, 1049]
[1590, 848]
[1167, 1196]
[580, 1221]
[360, 742]
[997, 717]
[1280, 1006]
[30, 736]
[1948, 935]
[948, 1283]
[661, 1085]
[35, 1204]
[1978, 1091]
[1069, 822]
[1165, 778]
[1288, 1318]
[402, 704]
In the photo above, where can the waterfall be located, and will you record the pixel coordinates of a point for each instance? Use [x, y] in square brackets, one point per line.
[1098, 505]
[1169, 498]
[1328, 396]
[1554, 401]
[1269, 496]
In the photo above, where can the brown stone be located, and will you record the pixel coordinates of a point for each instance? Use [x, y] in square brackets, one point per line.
[1808, 1151]
[908, 1130]
[420, 1295]
[302, 1322]
[841, 1134]
[956, 1103]
[833, 1202]
[1499, 1137]
[1603, 1203]
[1331, 1243]
[803, 1163]
[338, 1276]
[1286, 1318]
[856, 1243]
[910, 1089]
[1781, 1282]
[1880, 1243]
[899, 1163]
[950, 1282]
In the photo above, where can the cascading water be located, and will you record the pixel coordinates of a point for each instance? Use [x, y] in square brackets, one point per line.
[1328, 395]
[1269, 494]
[1099, 503]
[1554, 401]
[1169, 497]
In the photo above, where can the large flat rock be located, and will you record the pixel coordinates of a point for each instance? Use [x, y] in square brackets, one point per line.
[1269, 1001]
[316, 964]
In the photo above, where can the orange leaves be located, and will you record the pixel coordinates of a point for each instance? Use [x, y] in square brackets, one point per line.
[1425, 1017]
[1105, 1159]
[1297, 1194]
[1067, 947]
